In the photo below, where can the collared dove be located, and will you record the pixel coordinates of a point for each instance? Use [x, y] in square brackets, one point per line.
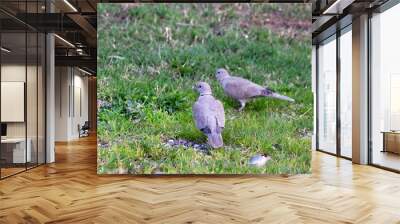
[208, 115]
[243, 90]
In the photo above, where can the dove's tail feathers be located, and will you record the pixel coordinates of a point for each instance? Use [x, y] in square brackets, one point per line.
[269, 93]
[215, 140]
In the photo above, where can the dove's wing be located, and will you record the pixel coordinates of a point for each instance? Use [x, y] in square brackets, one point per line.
[240, 88]
[199, 115]
[217, 112]
[209, 113]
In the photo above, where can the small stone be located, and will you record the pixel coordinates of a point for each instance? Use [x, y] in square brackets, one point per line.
[103, 144]
[122, 170]
[259, 160]
[103, 104]
[157, 171]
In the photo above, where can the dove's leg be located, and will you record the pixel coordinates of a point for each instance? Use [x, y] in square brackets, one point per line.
[242, 104]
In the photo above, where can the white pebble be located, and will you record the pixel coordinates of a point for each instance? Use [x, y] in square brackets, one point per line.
[259, 160]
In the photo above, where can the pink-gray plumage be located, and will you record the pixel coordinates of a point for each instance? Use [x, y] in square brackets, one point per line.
[243, 90]
[209, 115]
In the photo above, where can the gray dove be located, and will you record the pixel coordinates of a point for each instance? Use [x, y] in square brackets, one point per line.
[208, 115]
[243, 90]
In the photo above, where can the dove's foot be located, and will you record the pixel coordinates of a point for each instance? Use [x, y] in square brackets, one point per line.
[242, 105]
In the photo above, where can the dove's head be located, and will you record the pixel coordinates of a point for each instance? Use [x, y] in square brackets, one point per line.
[221, 74]
[203, 88]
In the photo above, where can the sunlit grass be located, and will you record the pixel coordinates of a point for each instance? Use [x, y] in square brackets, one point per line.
[149, 58]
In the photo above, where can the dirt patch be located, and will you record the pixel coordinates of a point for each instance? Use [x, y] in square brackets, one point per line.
[280, 20]
[292, 28]
[276, 21]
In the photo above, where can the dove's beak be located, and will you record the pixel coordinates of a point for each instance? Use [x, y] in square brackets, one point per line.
[282, 97]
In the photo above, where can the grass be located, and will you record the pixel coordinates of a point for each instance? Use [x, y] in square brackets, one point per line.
[151, 55]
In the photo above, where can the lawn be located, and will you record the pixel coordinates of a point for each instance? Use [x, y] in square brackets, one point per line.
[150, 56]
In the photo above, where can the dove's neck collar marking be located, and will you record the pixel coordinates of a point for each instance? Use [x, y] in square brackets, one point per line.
[206, 94]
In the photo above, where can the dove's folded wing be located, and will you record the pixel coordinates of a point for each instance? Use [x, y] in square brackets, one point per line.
[199, 116]
[240, 88]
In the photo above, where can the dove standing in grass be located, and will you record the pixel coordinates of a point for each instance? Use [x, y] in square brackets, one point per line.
[243, 90]
[208, 115]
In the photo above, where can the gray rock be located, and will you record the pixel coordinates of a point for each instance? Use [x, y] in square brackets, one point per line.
[157, 171]
[103, 144]
[103, 104]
